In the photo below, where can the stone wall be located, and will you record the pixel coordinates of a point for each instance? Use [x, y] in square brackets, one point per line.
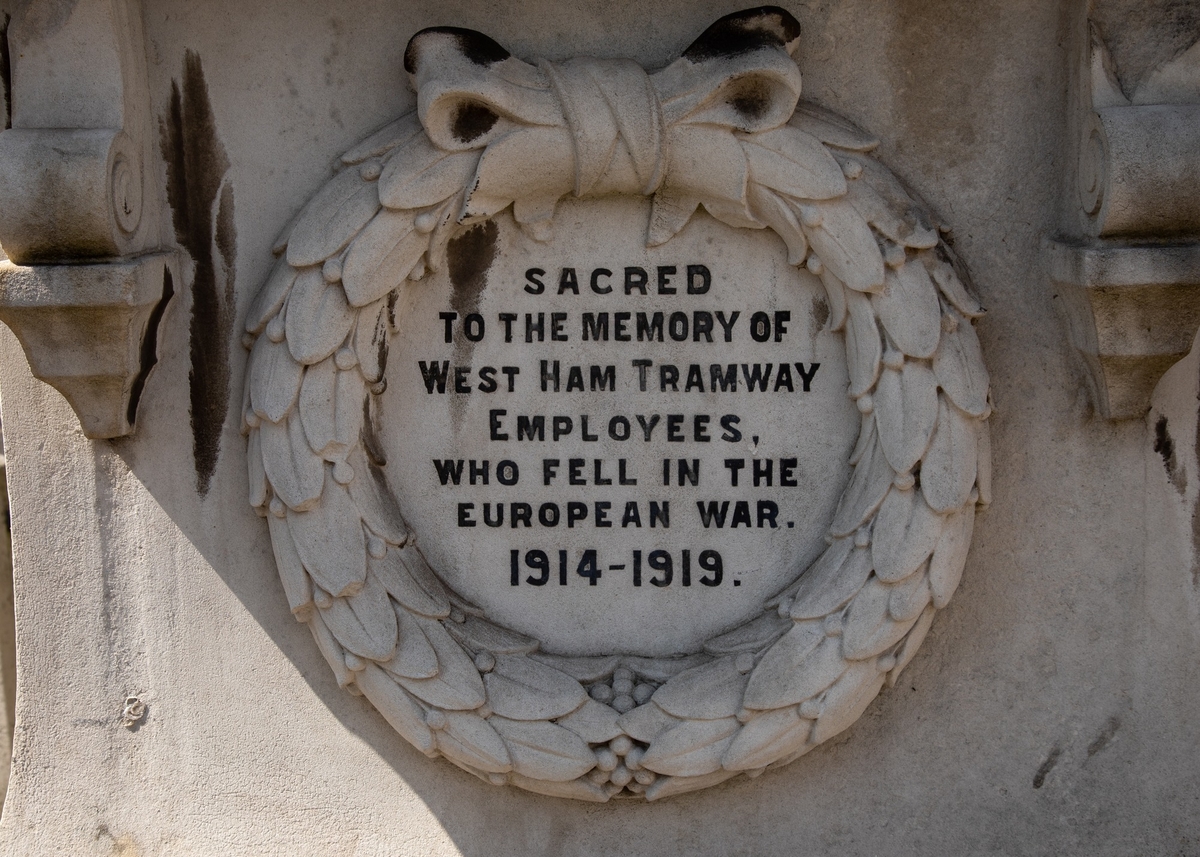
[168, 703]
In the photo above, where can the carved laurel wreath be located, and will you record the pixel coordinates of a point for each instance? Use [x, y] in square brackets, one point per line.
[720, 127]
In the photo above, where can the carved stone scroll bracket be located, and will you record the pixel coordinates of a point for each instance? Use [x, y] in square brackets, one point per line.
[1128, 273]
[1132, 313]
[80, 217]
[90, 331]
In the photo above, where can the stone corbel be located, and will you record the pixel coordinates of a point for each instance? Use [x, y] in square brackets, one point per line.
[1129, 278]
[86, 279]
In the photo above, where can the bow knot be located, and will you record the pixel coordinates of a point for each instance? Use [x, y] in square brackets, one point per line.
[594, 126]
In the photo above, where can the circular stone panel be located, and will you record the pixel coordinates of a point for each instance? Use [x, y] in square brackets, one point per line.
[614, 448]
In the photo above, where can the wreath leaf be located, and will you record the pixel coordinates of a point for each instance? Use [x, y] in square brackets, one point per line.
[329, 539]
[948, 469]
[845, 244]
[521, 689]
[669, 213]
[908, 649]
[331, 649]
[848, 699]
[866, 491]
[332, 218]
[777, 214]
[543, 751]
[317, 409]
[707, 692]
[767, 737]
[793, 162]
[269, 300]
[318, 319]
[773, 682]
[574, 790]
[457, 685]
[906, 407]
[950, 555]
[751, 636]
[909, 597]
[371, 341]
[952, 287]
[419, 174]
[905, 534]
[415, 591]
[275, 379]
[836, 293]
[693, 748]
[813, 673]
[380, 511]
[397, 707]
[479, 634]
[834, 579]
[909, 311]
[296, 473]
[594, 722]
[415, 657]
[469, 739]
[864, 348]
[382, 256]
[830, 128]
[385, 139]
[865, 619]
[983, 474]
[665, 787]
[958, 366]
[297, 585]
[866, 438]
[255, 473]
[646, 722]
[364, 622]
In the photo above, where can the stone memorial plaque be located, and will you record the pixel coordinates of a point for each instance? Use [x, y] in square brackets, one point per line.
[614, 448]
[617, 433]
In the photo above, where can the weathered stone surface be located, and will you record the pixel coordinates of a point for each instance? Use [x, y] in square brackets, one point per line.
[170, 702]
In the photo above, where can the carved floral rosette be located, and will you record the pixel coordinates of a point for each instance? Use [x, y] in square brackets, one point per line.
[720, 128]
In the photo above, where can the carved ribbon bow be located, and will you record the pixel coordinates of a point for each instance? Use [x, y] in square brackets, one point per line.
[592, 126]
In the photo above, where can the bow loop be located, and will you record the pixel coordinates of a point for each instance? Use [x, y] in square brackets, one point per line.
[604, 126]
[751, 92]
[470, 91]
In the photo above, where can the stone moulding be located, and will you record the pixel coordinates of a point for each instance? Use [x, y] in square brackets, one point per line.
[91, 331]
[79, 218]
[1132, 313]
[1130, 279]
[720, 128]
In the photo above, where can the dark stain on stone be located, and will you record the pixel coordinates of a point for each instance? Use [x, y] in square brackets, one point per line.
[6, 70]
[1196, 515]
[469, 256]
[149, 355]
[369, 435]
[480, 49]
[1047, 766]
[1164, 445]
[1105, 737]
[227, 239]
[745, 31]
[393, 297]
[751, 99]
[820, 309]
[202, 214]
[472, 121]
